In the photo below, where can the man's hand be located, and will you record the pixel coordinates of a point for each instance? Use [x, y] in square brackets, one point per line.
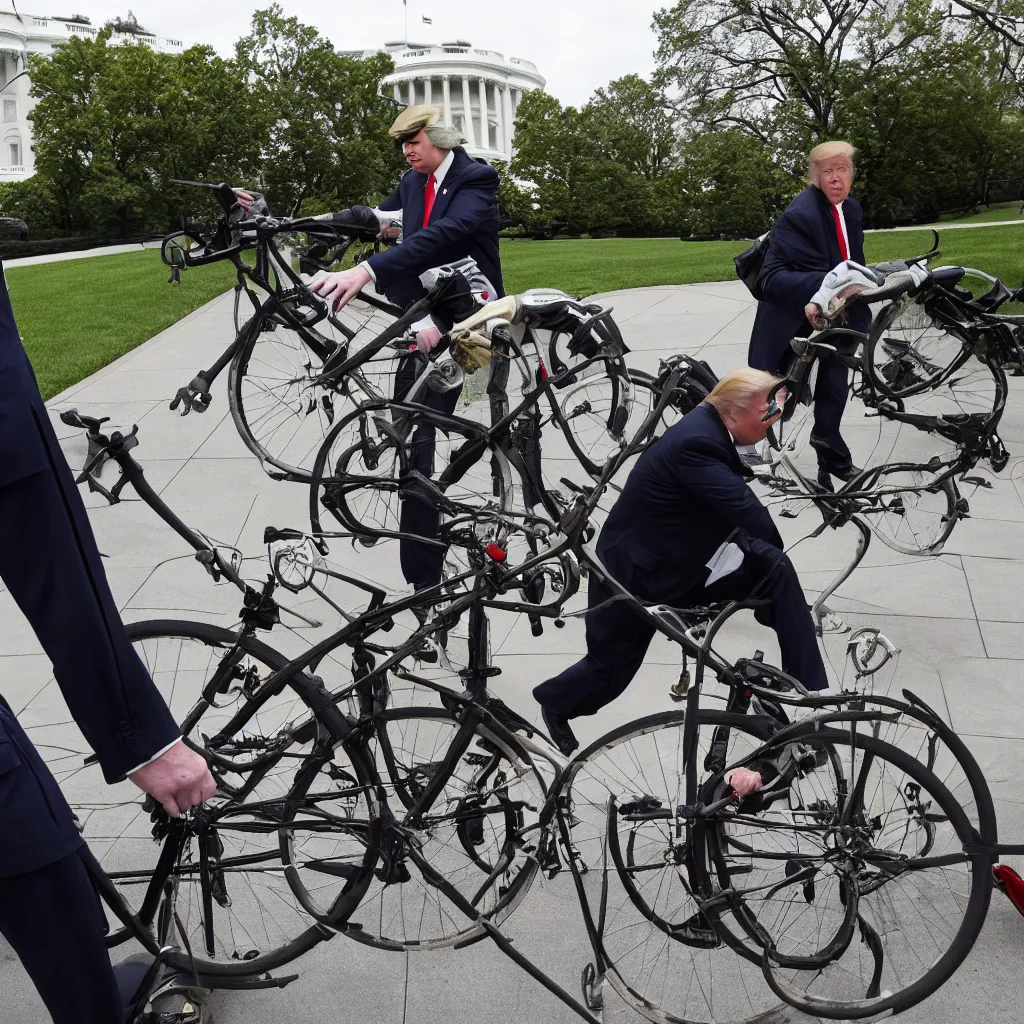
[744, 781]
[814, 316]
[245, 199]
[339, 289]
[427, 339]
[179, 779]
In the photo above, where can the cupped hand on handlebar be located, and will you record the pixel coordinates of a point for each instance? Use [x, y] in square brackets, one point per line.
[178, 779]
[340, 288]
[744, 781]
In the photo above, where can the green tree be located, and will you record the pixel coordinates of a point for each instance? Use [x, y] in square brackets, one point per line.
[327, 141]
[583, 171]
[730, 185]
[928, 133]
[632, 122]
[114, 124]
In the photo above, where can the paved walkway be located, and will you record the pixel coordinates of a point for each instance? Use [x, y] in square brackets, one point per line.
[958, 618]
[81, 254]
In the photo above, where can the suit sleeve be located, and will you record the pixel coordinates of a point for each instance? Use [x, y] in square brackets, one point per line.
[472, 207]
[781, 280]
[393, 202]
[704, 474]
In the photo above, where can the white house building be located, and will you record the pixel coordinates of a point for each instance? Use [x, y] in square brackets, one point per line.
[21, 35]
[479, 90]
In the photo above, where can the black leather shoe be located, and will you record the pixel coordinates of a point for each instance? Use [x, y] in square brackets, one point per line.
[559, 730]
[847, 472]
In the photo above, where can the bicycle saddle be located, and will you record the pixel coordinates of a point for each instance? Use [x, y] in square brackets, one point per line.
[553, 310]
[73, 418]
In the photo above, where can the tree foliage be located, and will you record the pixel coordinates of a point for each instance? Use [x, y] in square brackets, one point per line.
[115, 124]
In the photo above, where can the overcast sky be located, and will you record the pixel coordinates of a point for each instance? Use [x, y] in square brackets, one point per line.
[578, 45]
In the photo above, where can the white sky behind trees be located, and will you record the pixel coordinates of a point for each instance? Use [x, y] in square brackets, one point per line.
[578, 45]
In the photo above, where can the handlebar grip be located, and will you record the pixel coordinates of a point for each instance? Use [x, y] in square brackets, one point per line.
[272, 534]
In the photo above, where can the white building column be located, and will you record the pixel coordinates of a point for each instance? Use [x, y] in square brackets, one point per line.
[428, 91]
[446, 87]
[506, 118]
[467, 106]
[398, 93]
[500, 143]
[412, 92]
[485, 128]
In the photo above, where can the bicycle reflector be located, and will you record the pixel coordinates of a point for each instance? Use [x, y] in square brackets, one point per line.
[495, 552]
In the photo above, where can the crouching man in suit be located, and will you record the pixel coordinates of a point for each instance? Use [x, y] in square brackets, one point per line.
[684, 499]
[49, 910]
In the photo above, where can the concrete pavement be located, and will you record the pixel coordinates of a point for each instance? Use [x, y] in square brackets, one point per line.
[957, 617]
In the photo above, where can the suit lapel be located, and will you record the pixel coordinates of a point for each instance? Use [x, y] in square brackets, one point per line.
[412, 212]
[723, 435]
[831, 239]
[445, 192]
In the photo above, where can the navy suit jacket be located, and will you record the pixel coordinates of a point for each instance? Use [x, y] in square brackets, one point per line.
[803, 249]
[683, 498]
[463, 222]
[107, 689]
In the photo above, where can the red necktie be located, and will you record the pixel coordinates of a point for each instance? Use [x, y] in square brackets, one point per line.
[428, 200]
[843, 253]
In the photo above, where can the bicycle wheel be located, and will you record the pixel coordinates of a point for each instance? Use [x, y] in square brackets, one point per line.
[877, 868]
[908, 350]
[663, 956]
[914, 509]
[235, 908]
[281, 410]
[477, 834]
[362, 474]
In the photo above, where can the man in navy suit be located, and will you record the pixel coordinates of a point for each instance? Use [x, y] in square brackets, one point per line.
[818, 230]
[448, 207]
[686, 497]
[49, 911]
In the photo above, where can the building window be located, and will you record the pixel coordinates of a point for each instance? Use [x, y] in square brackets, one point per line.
[15, 154]
[10, 110]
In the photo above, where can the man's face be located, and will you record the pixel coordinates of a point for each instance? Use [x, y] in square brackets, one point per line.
[747, 423]
[835, 178]
[422, 154]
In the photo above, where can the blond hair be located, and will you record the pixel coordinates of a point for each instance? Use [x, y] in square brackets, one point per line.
[738, 388]
[826, 151]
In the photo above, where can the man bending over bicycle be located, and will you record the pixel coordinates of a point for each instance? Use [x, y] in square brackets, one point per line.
[687, 531]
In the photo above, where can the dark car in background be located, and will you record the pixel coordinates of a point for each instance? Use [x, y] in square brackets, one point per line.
[11, 227]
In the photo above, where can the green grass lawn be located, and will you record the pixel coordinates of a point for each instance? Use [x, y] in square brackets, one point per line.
[583, 267]
[997, 211]
[76, 316]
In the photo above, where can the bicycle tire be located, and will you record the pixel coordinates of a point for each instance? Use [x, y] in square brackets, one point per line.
[660, 966]
[907, 351]
[280, 411]
[351, 501]
[892, 993]
[408, 744]
[915, 515]
[287, 933]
